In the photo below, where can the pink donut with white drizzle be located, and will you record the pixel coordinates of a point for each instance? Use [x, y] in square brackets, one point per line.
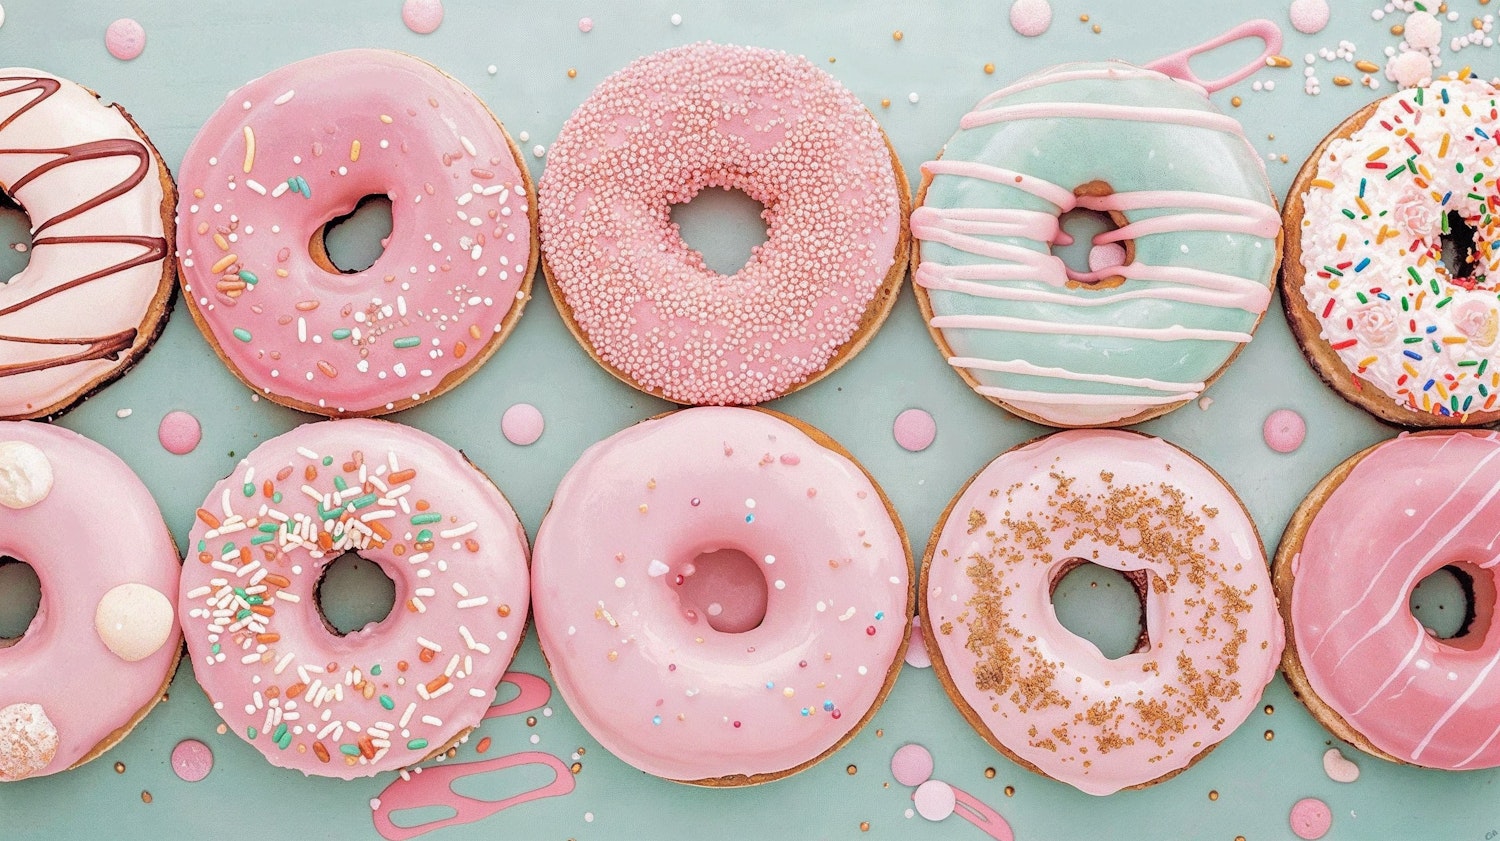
[304, 145]
[722, 595]
[396, 691]
[104, 643]
[1048, 698]
[771, 125]
[1356, 549]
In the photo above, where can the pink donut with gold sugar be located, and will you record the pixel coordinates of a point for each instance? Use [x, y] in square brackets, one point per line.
[303, 145]
[771, 125]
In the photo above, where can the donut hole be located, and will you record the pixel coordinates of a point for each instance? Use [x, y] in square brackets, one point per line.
[723, 587]
[1459, 243]
[351, 243]
[1085, 247]
[1104, 606]
[15, 238]
[722, 227]
[1455, 604]
[353, 593]
[20, 599]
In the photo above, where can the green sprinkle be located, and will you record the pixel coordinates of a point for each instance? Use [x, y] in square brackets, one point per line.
[269, 528]
[375, 670]
[202, 545]
[1412, 340]
[249, 489]
[340, 334]
[327, 461]
[262, 538]
[329, 515]
[349, 750]
[276, 497]
[242, 334]
[285, 741]
[1395, 172]
[364, 501]
[424, 536]
[407, 341]
[385, 701]
[249, 277]
[1361, 297]
[1405, 304]
[1468, 363]
[251, 732]
[1483, 364]
[1349, 213]
[1412, 270]
[242, 613]
[215, 648]
[1444, 302]
[417, 744]
[338, 482]
[424, 519]
[254, 600]
[280, 731]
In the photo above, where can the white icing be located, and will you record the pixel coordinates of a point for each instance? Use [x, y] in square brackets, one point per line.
[25, 474]
[134, 621]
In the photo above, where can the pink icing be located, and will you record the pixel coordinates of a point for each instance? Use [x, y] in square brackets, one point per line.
[911, 765]
[771, 125]
[1049, 696]
[192, 760]
[433, 786]
[916, 648]
[914, 430]
[302, 145]
[1311, 818]
[1178, 64]
[387, 695]
[179, 433]
[647, 675]
[81, 312]
[522, 424]
[61, 663]
[1284, 430]
[422, 16]
[125, 39]
[1030, 17]
[1410, 507]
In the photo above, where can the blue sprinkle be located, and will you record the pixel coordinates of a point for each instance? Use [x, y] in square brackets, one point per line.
[1479, 131]
[1361, 188]
[656, 719]
[806, 711]
[1383, 296]
[1413, 355]
[1449, 194]
[749, 518]
[1429, 385]
[1432, 328]
[828, 706]
[1362, 264]
[879, 614]
[770, 684]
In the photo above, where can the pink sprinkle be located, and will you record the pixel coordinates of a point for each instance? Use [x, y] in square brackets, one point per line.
[422, 16]
[192, 760]
[935, 800]
[1030, 17]
[911, 765]
[914, 430]
[1284, 430]
[1107, 256]
[522, 424]
[791, 459]
[1309, 16]
[125, 39]
[179, 433]
[916, 649]
[1311, 818]
[585, 24]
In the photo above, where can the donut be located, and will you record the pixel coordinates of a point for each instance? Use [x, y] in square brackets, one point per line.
[1379, 314]
[396, 691]
[1049, 699]
[786, 134]
[1172, 294]
[98, 289]
[722, 595]
[304, 145]
[104, 643]
[1355, 549]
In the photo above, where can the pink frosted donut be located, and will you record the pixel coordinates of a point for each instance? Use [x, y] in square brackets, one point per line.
[305, 144]
[1047, 697]
[104, 643]
[396, 691]
[1354, 551]
[760, 121]
[722, 595]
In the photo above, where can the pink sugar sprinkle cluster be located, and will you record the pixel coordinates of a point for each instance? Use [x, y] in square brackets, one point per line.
[672, 124]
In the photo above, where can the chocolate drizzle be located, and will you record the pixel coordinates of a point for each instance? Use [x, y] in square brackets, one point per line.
[154, 249]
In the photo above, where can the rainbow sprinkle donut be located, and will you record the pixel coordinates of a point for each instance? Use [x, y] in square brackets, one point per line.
[1380, 316]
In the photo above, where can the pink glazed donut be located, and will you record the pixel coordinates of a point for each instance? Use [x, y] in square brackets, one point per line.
[104, 643]
[305, 144]
[771, 125]
[396, 691]
[1354, 551]
[722, 595]
[1048, 698]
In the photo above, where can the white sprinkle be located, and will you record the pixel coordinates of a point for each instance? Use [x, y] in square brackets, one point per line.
[458, 532]
[477, 601]
[123, 413]
[284, 98]
[255, 185]
[468, 146]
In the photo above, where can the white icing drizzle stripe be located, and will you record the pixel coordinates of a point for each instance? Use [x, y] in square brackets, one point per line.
[1011, 324]
[1061, 398]
[1101, 111]
[1397, 672]
[1019, 366]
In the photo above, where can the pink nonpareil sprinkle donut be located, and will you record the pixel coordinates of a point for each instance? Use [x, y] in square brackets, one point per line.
[303, 145]
[394, 692]
[722, 595]
[702, 116]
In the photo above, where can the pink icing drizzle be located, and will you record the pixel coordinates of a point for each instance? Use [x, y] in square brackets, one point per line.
[1311, 818]
[179, 433]
[433, 785]
[1177, 64]
[125, 39]
[522, 424]
[912, 765]
[914, 430]
[1284, 430]
[422, 16]
[192, 760]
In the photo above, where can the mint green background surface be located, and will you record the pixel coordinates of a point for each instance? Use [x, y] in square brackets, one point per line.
[197, 52]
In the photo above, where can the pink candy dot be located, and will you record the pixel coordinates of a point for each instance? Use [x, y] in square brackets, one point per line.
[916, 649]
[935, 800]
[1311, 818]
[1106, 256]
[1284, 430]
[585, 24]
[179, 433]
[914, 430]
[522, 424]
[192, 760]
[125, 39]
[422, 16]
[1309, 16]
[1030, 17]
[911, 765]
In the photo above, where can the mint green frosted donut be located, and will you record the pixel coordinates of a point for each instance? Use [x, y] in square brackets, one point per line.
[1121, 343]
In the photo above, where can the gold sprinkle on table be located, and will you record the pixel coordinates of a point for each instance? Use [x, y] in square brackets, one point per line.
[145, 797]
[897, 35]
[119, 767]
[1010, 791]
[989, 773]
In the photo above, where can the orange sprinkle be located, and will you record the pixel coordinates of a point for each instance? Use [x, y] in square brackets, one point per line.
[459, 349]
[325, 542]
[268, 637]
[1323, 182]
[436, 683]
[220, 241]
[310, 473]
[208, 518]
[474, 332]
[1343, 239]
[245, 556]
[427, 655]
[320, 751]
[484, 745]
[472, 545]
[401, 477]
[423, 505]
[268, 488]
[1443, 147]
[224, 263]
[327, 369]
[263, 609]
[380, 529]
[278, 580]
[295, 689]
